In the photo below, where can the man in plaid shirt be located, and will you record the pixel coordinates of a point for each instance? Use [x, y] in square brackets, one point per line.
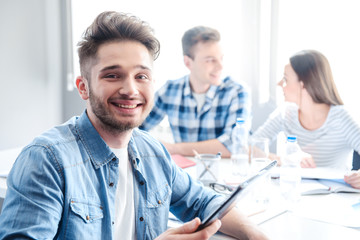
[202, 107]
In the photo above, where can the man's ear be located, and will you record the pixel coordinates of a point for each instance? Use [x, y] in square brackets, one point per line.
[187, 61]
[82, 87]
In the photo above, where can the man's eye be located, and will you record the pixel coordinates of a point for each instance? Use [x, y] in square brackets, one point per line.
[111, 76]
[142, 76]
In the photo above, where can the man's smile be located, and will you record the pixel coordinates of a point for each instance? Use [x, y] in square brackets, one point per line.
[126, 106]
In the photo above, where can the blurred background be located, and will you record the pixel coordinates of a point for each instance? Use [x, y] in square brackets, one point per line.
[38, 58]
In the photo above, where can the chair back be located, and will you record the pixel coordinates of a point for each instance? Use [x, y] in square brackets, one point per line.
[356, 161]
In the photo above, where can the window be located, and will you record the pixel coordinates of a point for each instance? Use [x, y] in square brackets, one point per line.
[331, 27]
[170, 19]
[258, 37]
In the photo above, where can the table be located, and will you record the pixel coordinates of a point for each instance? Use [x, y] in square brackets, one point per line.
[288, 224]
[7, 159]
[307, 219]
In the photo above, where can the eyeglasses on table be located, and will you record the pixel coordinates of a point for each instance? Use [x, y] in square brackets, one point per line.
[222, 188]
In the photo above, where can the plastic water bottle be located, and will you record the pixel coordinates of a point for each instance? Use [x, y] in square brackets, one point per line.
[290, 175]
[240, 149]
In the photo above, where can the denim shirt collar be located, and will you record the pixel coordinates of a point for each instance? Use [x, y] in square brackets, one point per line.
[134, 154]
[99, 152]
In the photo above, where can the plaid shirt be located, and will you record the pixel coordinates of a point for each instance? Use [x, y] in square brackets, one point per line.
[223, 104]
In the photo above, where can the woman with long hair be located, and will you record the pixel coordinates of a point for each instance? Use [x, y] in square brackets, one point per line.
[314, 112]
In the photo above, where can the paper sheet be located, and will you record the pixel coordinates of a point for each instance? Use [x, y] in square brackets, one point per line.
[315, 173]
[333, 208]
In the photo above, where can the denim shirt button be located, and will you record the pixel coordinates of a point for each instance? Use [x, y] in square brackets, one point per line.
[141, 219]
[159, 201]
[111, 184]
[87, 217]
[112, 222]
[142, 183]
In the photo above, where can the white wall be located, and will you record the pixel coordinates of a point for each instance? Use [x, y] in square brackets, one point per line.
[31, 67]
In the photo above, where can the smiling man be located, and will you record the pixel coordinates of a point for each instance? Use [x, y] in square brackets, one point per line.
[121, 93]
[99, 177]
[202, 107]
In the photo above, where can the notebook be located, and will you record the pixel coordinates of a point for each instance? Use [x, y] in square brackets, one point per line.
[323, 186]
[182, 161]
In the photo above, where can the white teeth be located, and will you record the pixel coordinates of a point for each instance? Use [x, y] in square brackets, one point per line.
[127, 106]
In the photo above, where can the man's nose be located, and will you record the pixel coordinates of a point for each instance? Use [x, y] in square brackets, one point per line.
[219, 65]
[128, 87]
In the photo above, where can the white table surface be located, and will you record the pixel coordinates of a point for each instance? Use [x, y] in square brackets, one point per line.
[306, 220]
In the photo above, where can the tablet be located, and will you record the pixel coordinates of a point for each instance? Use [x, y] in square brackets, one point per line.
[230, 202]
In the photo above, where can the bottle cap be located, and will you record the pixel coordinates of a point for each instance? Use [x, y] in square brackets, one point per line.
[240, 120]
[291, 138]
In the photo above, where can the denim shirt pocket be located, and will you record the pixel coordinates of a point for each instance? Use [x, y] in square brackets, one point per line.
[157, 203]
[159, 197]
[87, 210]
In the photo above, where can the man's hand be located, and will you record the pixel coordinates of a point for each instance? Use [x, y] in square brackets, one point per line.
[187, 231]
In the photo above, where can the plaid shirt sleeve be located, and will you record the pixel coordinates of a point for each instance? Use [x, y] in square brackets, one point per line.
[156, 115]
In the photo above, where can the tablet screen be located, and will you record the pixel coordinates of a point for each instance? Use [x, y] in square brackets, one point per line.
[230, 202]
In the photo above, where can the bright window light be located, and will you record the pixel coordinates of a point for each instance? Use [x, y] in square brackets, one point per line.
[331, 27]
[170, 19]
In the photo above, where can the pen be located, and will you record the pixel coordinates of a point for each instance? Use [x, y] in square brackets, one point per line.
[254, 213]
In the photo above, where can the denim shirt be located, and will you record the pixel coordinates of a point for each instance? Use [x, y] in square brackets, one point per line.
[62, 186]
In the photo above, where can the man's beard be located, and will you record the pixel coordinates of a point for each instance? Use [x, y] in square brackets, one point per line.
[107, 119]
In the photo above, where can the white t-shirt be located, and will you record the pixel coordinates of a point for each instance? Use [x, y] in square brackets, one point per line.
[124, 226]
[200, 100]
